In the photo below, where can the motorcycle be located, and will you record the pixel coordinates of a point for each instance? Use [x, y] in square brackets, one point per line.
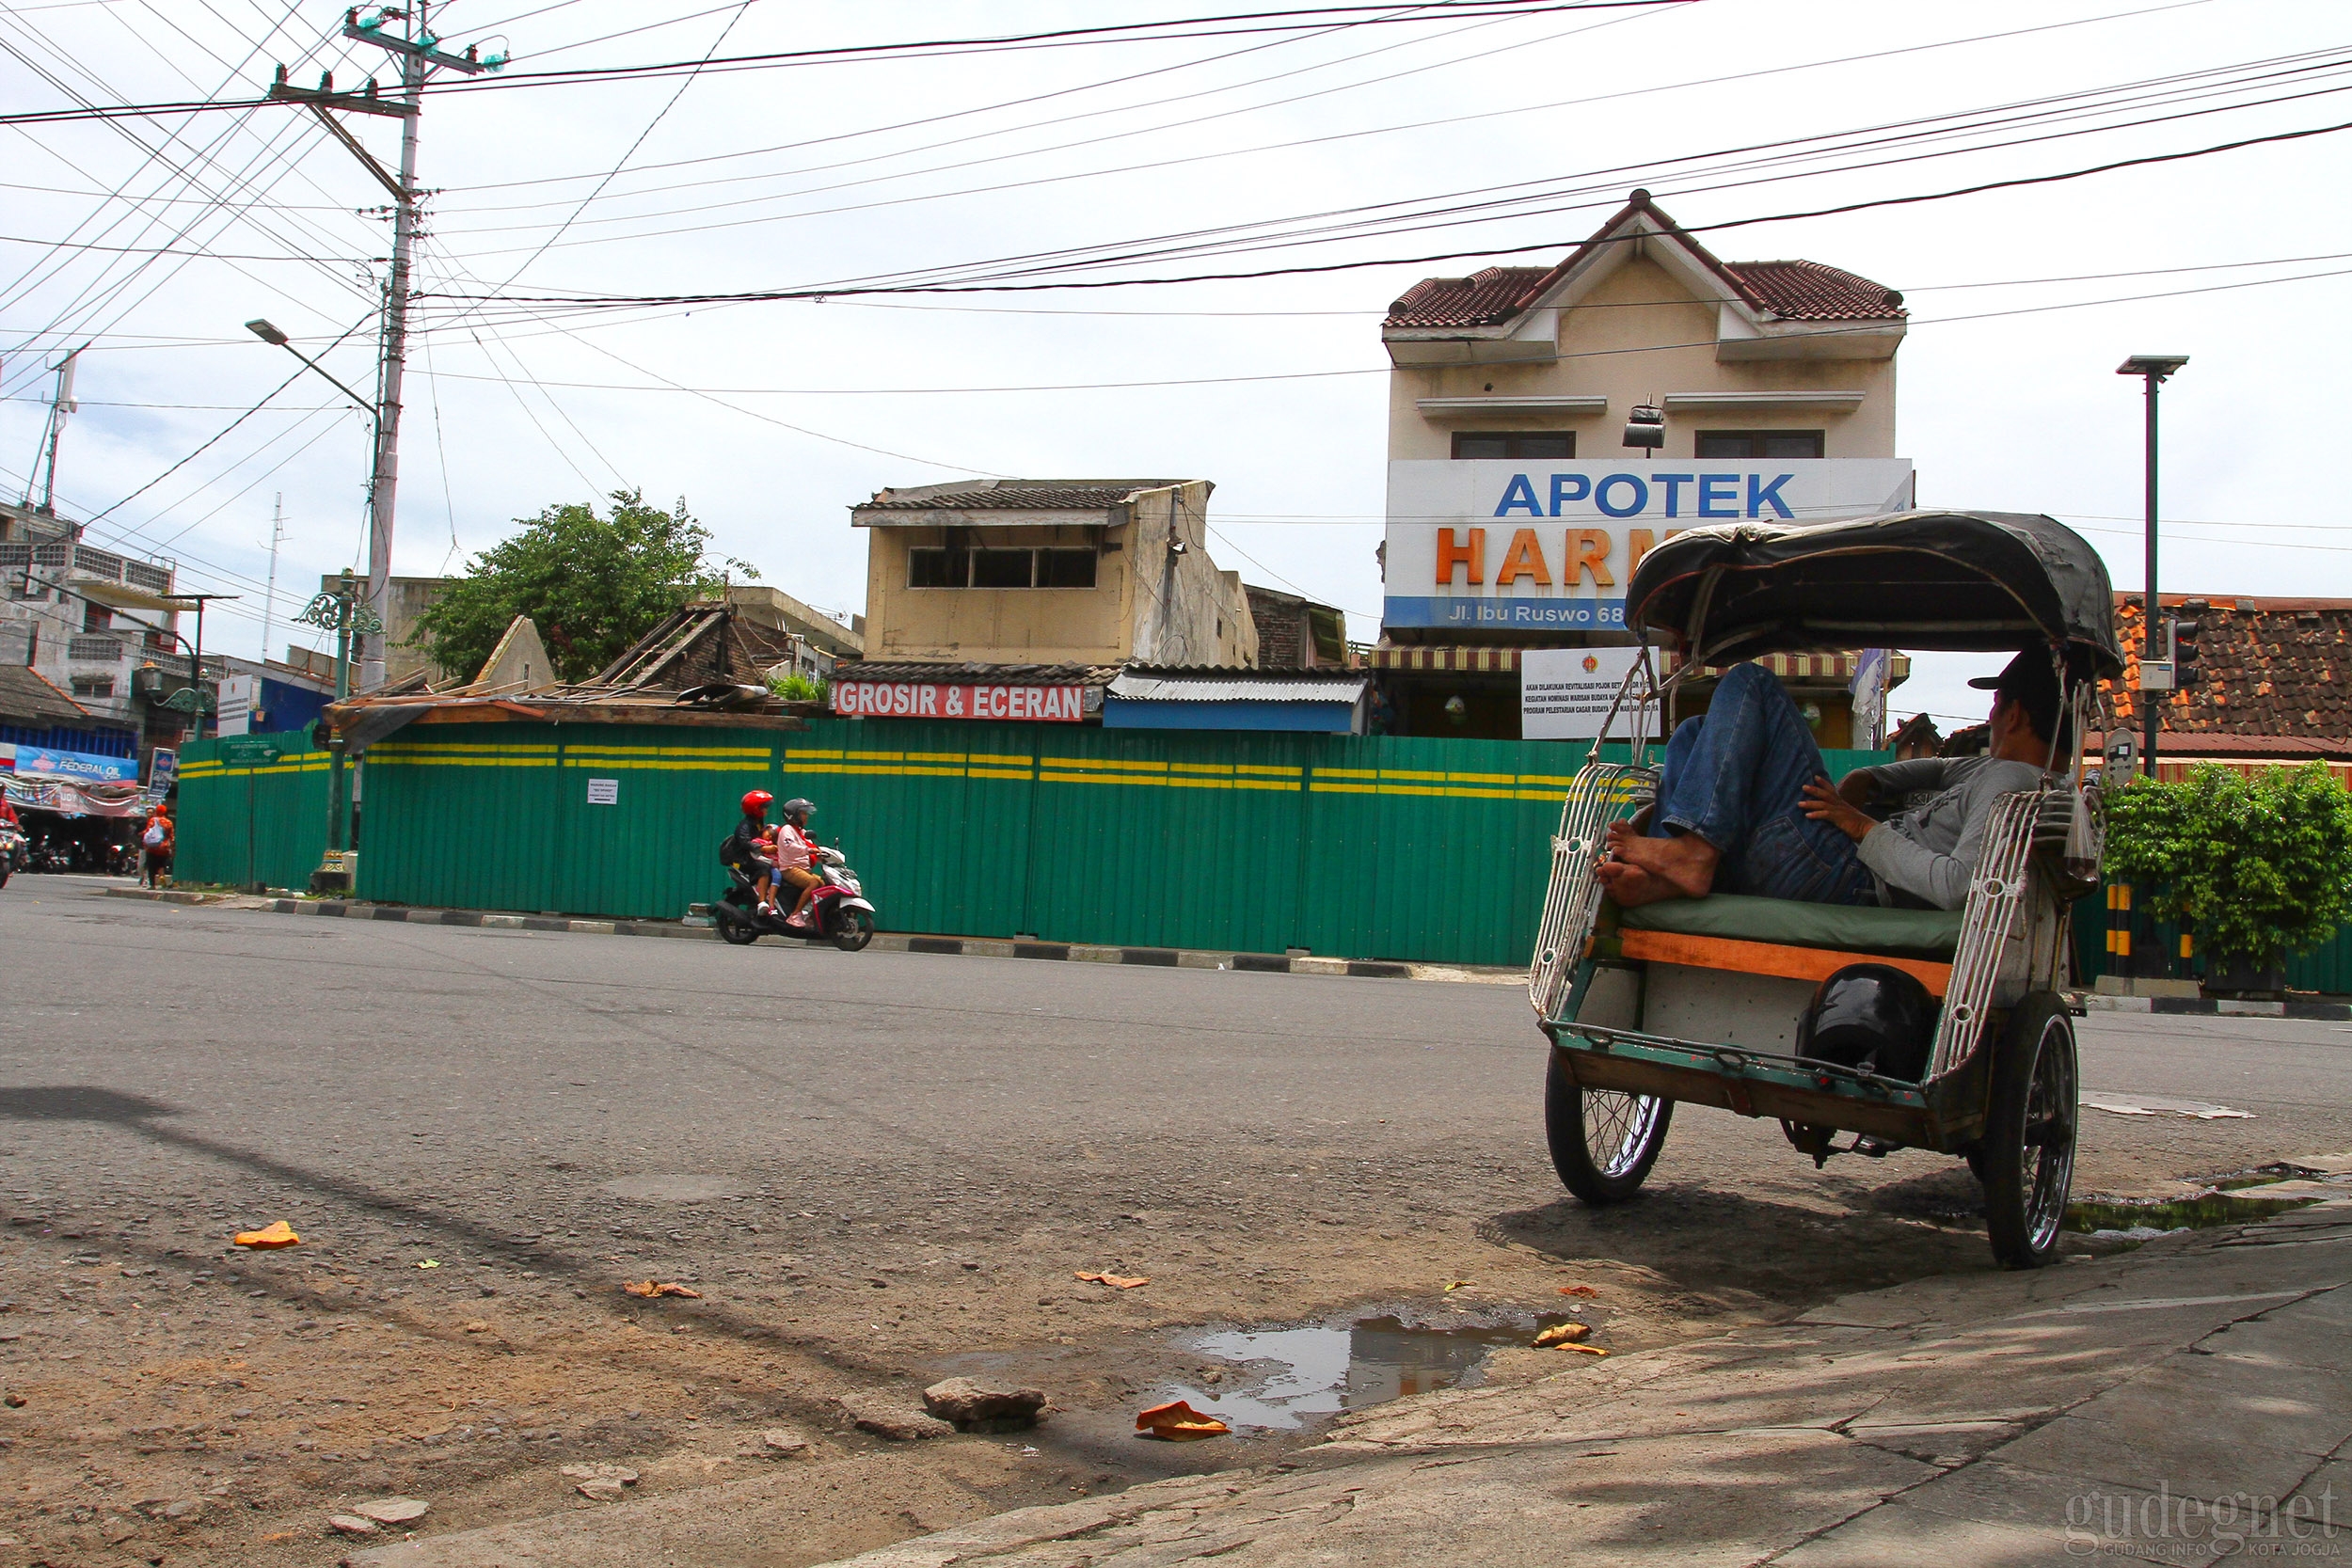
[12, 852]
[838, 911]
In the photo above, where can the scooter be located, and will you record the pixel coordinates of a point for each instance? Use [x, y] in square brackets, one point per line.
[838, 911]
[12, 852]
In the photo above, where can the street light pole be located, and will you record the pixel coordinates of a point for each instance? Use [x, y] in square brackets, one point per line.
[2153, 370]
[342, 611]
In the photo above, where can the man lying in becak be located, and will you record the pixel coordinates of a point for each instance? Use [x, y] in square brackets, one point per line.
[1744, 804]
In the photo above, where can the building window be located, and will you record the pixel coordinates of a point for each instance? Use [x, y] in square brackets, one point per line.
[97, 617]
[1739, 444]
[1470, 444]
[935, 568]
[929, 567]
[93, 686]
[1065, 568]
[1003, 569]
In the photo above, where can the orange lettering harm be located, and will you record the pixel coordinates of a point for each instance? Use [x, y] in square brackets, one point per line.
[1524, 559]
[1471, 553]
[1589, 548]
[1638, 542]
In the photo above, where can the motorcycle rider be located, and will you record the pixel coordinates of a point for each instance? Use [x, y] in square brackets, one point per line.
[745, 851]
[793, 856]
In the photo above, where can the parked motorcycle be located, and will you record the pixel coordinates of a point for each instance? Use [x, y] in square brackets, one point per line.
[838, 911]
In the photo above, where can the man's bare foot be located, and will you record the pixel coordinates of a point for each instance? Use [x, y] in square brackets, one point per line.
[1630, 886]
[1686, 861]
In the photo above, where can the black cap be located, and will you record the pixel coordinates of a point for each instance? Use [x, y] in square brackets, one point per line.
[2030, 678]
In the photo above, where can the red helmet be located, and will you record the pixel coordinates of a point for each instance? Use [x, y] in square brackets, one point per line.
[758, 802]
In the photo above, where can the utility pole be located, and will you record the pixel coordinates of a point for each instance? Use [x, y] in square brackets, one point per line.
[60, 405]
[342, 611]
[269, 594]
[420, 58]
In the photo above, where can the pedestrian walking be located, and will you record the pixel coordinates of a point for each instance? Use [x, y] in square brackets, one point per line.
[156, 842]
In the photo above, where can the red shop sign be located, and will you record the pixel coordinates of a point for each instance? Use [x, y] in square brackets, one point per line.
[931, 700]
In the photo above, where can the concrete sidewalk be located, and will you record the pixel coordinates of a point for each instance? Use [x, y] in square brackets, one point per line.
[2179, 1403]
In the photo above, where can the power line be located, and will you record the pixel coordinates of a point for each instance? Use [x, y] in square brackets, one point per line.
[929, 49]
[853, 290]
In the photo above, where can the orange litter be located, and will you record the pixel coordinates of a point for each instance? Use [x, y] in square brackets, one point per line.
[667, 1288]
[1117, 1282]
[1578, 1291]
[1563, 1333]
[276, 1233]
[1588, 1350]
[1178, 1422]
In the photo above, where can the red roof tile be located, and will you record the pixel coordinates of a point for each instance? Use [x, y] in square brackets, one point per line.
[2266, 667]
[1792, 290]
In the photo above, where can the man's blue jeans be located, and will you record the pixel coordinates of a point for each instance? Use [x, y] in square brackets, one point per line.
[1736, 778]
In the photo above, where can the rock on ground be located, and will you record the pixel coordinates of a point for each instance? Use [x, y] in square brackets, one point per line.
[886, 1415]
[392, 1510]
[976, 1406]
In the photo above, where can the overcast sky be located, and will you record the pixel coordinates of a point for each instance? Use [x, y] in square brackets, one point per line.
[1273, 389]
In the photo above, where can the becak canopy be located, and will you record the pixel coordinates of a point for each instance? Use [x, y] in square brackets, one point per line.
[1974, 582]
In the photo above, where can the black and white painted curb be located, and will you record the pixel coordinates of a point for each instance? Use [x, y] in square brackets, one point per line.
[2212, 1006]
[887, 942]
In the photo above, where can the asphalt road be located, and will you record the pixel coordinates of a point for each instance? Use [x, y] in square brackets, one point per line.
[876, 1169]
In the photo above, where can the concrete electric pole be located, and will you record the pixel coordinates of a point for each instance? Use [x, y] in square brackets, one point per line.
[420, 58]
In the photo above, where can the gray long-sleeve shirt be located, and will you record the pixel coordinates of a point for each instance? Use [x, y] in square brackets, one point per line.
[1932, 851]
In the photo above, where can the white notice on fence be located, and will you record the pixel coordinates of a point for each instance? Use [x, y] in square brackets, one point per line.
[1564, 693]
[604, 792]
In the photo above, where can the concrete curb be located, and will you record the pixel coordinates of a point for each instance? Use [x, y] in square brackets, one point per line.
[888, 942]
[2207, 1006]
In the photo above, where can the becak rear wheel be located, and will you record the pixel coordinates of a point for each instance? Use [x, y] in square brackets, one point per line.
[1603, 1141]
[2026, 1156]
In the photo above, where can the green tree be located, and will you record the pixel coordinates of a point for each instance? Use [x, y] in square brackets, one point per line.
[593, 585]
[2262, 866]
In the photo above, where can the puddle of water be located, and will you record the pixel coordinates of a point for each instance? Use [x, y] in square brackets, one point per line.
[1297, 1375]
[2142, 1220]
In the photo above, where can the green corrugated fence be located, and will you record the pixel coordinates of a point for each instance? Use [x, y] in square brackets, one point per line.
[249, 823]
[1396, 848]
[2325, 969]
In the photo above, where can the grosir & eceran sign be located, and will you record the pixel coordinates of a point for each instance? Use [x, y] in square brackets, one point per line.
[1550, 546]
[940, 700]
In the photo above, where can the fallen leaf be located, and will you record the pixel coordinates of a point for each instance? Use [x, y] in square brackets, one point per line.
[1578, 1291]
[276, 1233]
[1452, 1285]
[1178, 1422]
[1563, 1334]
[430, 1264]
[1117, 1282]
[649, 1289]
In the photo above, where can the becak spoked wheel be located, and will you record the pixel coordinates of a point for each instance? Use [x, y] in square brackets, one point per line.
[2026, 1156]
[1603, 1141]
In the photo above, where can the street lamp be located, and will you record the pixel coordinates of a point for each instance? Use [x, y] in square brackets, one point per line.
[2154, 370]
[268, 334]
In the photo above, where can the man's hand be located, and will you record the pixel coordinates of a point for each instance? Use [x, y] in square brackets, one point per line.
[1859, 788]
[1825, 802]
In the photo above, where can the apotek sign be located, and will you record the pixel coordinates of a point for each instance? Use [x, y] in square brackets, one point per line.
[1551, 548]
[937, 700]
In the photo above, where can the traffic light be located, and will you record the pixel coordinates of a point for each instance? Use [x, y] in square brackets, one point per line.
[2184, 639]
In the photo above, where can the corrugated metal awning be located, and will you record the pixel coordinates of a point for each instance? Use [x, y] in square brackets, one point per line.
[1232, 689]
[1504, 661]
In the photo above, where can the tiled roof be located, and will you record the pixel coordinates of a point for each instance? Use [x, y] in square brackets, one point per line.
[1792, 290]
[2266, 667]
[1009, 494]
[25, 693]
[1809, 291]
[995, 674]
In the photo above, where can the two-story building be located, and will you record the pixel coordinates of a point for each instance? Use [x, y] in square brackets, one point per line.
[90, 621]
[1516, 511]
[1039, 588]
